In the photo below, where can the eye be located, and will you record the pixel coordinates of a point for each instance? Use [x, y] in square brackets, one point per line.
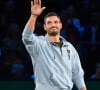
[49, 22]
[56, 22]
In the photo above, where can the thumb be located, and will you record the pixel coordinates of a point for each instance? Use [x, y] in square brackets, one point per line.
[43, 8]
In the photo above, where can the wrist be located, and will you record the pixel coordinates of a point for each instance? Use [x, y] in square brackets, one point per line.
[34, 16]
[83, 88]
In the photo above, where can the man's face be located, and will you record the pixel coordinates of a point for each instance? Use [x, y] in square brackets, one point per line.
[52, 25]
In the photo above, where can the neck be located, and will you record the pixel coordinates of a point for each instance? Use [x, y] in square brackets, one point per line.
[54, 38]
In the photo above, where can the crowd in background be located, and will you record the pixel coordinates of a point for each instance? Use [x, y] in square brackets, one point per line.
[81, 26]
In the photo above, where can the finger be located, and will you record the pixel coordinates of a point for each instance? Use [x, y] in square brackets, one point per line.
[43, 8]
[31, 3]
[39, 1]
[35, 1]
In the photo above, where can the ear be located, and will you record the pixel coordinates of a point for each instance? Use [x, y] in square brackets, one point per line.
[61, 25]
[44, 27]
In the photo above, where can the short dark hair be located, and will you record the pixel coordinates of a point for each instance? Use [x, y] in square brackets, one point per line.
[51, 14]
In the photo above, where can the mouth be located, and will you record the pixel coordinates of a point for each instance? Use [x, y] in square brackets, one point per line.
[53, 28]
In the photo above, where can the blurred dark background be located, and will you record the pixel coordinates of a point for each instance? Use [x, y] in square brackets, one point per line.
[81, 26]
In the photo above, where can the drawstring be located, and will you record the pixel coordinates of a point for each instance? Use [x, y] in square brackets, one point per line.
[68, 51]
[52, 50]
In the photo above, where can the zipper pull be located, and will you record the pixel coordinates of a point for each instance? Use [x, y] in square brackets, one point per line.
[68, 51]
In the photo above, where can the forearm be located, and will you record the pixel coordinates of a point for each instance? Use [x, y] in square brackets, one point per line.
[29, 28]
[31, 22]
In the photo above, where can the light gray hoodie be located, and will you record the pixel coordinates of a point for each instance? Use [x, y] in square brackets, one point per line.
[54, 68]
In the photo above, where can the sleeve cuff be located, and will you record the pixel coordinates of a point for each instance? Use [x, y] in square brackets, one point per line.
[27, 31]
[80, 83]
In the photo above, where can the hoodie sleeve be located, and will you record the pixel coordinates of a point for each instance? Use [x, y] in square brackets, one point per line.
[30, 41]
[77, 71]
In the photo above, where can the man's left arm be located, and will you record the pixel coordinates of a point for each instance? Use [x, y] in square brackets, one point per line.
[77, 72]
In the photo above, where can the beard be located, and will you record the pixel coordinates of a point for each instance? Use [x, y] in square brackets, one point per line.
[53, 32]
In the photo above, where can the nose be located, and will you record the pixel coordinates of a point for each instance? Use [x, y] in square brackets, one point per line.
[53, 24]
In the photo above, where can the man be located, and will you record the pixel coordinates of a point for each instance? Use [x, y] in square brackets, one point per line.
[55, 62]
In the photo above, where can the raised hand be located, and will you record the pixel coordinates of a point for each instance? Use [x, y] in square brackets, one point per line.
[36, 8]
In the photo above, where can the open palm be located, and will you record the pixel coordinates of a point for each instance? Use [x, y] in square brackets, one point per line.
[36, 8]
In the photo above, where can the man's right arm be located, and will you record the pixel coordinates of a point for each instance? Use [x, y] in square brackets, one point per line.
[31, 22]
[36, 10]
[27, 35]
[29, 28]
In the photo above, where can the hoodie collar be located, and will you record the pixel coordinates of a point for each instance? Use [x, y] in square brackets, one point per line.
[63, 40]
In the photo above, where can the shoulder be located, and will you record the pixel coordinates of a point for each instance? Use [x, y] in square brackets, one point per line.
[41, 40]
[70, 46]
